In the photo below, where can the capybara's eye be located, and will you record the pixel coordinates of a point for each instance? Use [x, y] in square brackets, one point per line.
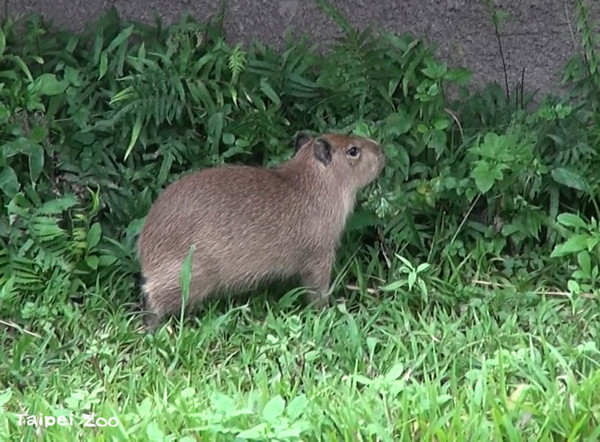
[353, 151]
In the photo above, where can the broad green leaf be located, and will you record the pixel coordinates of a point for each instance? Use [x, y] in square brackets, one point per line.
[9, 182]
[362, 129]
[441, 124]
[48, 231]
[573, 286]
[438, 141]
[270, 92]
[405, 261]
[21, 145]
[144, 408]
[297, 406]
[165, 168]
[92, 261]
[119, 39]
[361, 219]
[85, 138]
[98, 44]
[571, 220]
[395, 372]
[483, 176]
[47, 84]
[422, 267]
[6, 395]
[583, 258]
[274, 408]
[570, 178]
[2, 42]
[393, 86]
[256, 432]
[103, 65]
[154, 432]
[93, 235]
[234, 150]
[36, 162]
[292, 433]
[38, 134]
[574, 244]
[397, 123]
[434, 70]
[21, 64]
[188, 393]
[392, 286]
[106, 260]
[59, 205]
[215, 129]
[460, 76]
[4, 113]
[412, 277]
[72, 75]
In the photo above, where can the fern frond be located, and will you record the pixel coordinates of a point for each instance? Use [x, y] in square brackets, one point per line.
[156, 96]
[237, 62]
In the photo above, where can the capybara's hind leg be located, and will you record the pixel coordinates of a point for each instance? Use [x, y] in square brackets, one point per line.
[152, 316]
[159, 301]
[163, 301]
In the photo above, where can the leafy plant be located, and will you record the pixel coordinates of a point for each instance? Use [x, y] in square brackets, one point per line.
[583, 241]
[414, 276]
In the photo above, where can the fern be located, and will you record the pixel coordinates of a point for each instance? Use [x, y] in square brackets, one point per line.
[50, 246]
[583, 70]
[348, 73]
[589, 42]
[237, 62]
[156, 96]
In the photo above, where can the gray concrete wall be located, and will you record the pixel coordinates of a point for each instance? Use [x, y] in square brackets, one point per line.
[537, 36]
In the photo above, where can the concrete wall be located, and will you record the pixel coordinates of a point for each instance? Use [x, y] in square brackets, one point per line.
[537, 36]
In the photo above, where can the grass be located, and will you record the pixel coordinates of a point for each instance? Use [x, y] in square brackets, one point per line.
[505, 365]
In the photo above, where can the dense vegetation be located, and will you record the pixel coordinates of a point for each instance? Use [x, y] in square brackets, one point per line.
[467, 280]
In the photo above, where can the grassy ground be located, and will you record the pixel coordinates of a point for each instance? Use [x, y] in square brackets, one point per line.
[507, 365]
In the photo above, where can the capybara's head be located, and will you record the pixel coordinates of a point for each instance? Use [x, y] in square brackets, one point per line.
[355, 160]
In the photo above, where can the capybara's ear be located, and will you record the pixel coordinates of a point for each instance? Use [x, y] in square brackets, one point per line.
[300, 140]
[323, 151]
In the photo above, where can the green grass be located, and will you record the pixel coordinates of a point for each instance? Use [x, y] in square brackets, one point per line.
[506, 365]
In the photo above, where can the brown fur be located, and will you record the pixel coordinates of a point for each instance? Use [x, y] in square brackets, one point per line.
[251, 225]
